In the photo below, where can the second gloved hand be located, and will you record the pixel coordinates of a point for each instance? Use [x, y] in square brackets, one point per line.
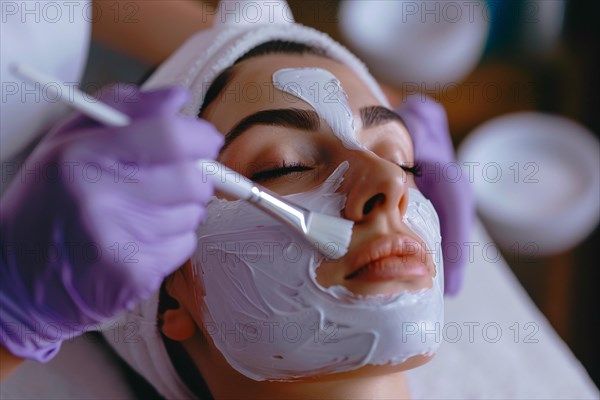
[442, 182]
[99, 216]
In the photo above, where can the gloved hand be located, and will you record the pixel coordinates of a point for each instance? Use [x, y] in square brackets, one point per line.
[441, 182]
[98, 217]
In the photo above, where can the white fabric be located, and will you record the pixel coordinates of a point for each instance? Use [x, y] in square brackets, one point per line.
[136, 338]
[508, 368]
[54, 38]
[461, 370]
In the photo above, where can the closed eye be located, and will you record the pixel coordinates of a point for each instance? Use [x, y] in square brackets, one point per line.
[414, 169]
[274, 173]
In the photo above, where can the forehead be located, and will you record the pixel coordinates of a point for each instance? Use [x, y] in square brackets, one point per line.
[251, 88]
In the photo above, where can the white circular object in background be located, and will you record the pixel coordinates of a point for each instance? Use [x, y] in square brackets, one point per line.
[536, 180]
[420, 42]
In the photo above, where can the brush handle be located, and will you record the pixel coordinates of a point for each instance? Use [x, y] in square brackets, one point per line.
[228, 181]
[92, 108]
[234, 184]
[224, 179]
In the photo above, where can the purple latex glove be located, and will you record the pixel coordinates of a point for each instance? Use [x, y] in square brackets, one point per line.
[98, 217]
[441, 182]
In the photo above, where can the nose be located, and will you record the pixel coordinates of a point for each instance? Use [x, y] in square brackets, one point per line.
[374, 186]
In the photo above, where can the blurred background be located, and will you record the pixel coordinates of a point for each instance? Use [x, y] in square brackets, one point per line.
[485, 62]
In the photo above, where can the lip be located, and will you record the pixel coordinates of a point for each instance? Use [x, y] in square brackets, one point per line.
[394, 257]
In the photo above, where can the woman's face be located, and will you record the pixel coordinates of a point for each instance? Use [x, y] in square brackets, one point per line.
[298, 153]
[297, 157]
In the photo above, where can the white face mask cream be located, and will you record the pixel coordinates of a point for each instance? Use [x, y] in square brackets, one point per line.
[272, 320]
[265, 310]
[323, 91]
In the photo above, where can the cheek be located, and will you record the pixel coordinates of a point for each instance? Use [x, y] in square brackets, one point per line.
[410, 178]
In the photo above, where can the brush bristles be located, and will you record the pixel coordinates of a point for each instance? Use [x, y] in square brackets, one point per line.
[331, 234]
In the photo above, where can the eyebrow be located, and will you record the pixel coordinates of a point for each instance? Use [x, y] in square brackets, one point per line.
[373, 116]
[285, 117]
[309, 120]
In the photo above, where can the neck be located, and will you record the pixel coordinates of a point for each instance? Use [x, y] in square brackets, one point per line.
[224, 382]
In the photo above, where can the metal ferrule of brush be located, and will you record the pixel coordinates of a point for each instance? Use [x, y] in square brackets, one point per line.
[294, 215]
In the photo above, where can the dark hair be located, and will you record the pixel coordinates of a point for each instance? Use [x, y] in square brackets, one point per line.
[271, 47]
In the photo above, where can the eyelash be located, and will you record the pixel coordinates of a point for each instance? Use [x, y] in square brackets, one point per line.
[414, 169]
[285, 169]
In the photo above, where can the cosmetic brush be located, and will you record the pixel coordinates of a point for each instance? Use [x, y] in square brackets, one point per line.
[330, 235]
